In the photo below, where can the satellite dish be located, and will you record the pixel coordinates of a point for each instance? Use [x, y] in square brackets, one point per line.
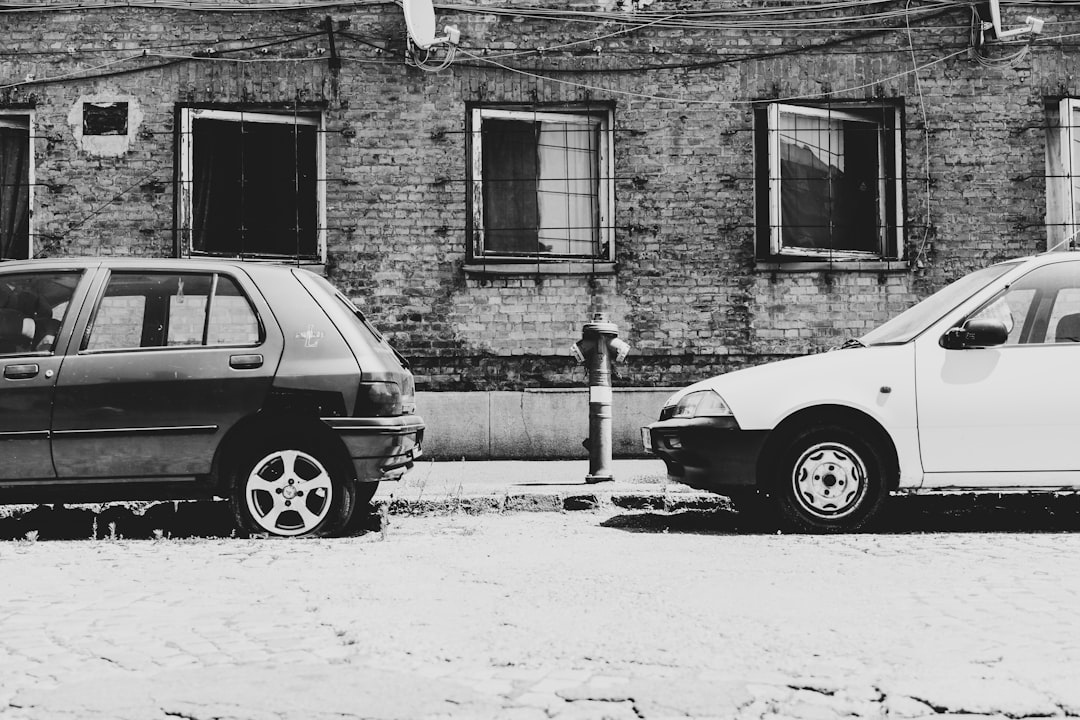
[420, 22]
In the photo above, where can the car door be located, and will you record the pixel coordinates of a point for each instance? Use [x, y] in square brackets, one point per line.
[1006, 416]
[168, 361]
[35, 307]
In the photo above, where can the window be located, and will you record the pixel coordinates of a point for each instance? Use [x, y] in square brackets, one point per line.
[829, 182]
[1041, 307]
[144, 310]
[16, 185]
[32, 309]
[1063, 176]
[250, 185]
[541, 184]
[105, 118]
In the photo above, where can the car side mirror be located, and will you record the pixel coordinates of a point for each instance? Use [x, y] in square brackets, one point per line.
[981, 332]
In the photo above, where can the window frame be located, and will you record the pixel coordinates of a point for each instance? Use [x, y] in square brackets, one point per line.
[887, 117]
[28, 115]
[1063, 189]
[600, 115]
[185, 203]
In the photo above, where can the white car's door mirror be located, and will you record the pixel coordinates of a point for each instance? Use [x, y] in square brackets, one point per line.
[980, 332]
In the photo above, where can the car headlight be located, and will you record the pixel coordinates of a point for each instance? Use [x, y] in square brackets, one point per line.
[703, 403]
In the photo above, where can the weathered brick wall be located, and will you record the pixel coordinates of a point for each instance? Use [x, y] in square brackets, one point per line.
[686, 294]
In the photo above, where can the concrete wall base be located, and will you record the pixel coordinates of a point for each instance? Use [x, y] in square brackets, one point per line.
[531, 424]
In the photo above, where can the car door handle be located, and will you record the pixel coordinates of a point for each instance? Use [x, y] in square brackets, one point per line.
[21, 372]
[245, 362]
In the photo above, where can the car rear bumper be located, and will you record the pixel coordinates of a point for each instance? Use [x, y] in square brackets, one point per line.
[707, 453]
[380, 448]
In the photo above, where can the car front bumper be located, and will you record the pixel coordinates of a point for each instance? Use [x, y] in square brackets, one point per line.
[710, 453]
[380, 448]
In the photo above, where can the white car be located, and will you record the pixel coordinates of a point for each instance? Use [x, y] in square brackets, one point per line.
[976, 388]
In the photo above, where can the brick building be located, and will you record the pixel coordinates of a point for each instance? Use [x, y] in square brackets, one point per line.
[730, 181]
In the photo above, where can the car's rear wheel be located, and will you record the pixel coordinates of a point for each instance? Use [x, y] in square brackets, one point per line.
[830, 479]
[292, 490]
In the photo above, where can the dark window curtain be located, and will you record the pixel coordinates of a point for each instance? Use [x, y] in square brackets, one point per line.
[14, 193]
[510, 172]
[255, 188]
[279, 188]
[826, 208]
[217, 160]
[806, 200]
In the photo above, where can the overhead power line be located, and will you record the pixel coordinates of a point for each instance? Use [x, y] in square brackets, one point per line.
[6, 6]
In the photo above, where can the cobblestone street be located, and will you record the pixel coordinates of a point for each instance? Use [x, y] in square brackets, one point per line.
[568, 615]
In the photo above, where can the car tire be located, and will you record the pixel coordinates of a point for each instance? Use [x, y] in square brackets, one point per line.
[365, 518]
[829, 479]
[291, 489]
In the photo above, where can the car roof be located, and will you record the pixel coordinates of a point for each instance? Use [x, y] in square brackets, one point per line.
[1044, 258]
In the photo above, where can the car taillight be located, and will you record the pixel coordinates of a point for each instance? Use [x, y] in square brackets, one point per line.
[408, 395]
[378, 399]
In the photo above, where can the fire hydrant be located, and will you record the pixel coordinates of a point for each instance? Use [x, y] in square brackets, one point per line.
[598, 347]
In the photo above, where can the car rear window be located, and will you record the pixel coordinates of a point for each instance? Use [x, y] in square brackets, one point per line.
[332, 294]
[366, 340]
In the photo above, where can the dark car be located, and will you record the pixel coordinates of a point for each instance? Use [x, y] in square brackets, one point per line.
[129, 379]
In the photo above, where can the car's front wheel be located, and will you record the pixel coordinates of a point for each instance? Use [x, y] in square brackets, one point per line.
[292, 491]
[830, 479]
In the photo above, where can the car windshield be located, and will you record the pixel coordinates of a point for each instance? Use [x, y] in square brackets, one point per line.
[918, 317]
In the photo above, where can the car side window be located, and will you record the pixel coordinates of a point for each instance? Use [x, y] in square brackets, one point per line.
[1064, 323]
[232, 320]
[163, 309]
[32, 309]
[1040, 307]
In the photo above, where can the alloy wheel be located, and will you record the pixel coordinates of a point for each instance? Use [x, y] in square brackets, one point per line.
[288, 492]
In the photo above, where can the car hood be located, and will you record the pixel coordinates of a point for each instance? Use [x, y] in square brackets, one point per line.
[760, 396]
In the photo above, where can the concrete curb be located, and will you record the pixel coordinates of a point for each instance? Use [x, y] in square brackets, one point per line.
[511, 501]
[649, 507]
[213, 518]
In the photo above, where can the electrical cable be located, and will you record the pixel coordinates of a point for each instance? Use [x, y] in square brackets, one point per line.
[74, 74]
[219, 6]
[1012, 60]
[172, 59]
[730, 18]
[692, 101]
[272, 40]
[716, 63]
[426, 62]
[588, 41]
[480, 61]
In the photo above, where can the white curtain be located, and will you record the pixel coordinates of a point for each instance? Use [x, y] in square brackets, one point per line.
[567, 189]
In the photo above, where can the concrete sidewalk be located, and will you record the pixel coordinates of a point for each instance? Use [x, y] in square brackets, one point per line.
[483, 477]
[539, 485]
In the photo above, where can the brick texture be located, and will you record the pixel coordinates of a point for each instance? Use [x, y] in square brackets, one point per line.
[686, 292]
